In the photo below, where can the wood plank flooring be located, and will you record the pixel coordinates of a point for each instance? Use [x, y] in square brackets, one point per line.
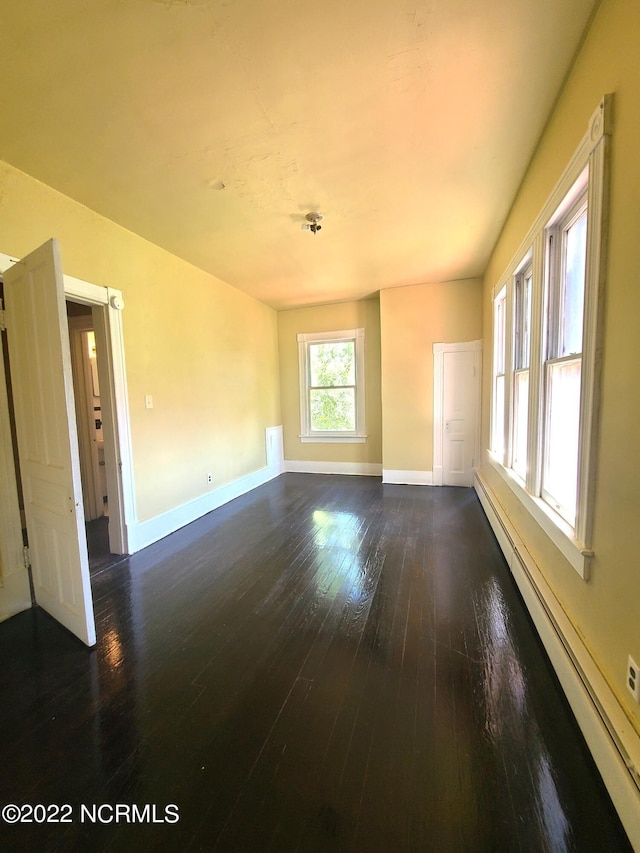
[100, 557]
[325, 664]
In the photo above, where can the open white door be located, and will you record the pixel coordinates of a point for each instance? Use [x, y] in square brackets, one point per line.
[42, 382]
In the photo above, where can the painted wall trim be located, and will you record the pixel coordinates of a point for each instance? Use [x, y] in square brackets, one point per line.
[610, 736]
[555, 527]
[364, 469]
[408, 478]
[147, 532]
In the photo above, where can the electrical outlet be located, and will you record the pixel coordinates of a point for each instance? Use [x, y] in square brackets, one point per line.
[209, 478]
[633, 679]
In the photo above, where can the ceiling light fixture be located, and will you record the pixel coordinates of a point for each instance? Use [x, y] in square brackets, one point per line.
[313, 222]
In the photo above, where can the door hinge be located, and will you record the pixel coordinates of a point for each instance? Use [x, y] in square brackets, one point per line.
[3, 322]
[27, 558]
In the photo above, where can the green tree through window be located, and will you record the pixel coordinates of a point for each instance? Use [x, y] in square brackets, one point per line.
[332, 394]
[332, 386]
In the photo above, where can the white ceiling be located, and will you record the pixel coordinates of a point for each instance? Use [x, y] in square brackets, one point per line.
[211, 127]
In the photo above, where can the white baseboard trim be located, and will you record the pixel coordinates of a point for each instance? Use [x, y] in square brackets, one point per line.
[363, 469]
[408, 478]
[147, 532]
[610, 736]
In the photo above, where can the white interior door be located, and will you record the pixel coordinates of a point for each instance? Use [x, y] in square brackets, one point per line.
[457, 385]
[42, 382]
[459, 410]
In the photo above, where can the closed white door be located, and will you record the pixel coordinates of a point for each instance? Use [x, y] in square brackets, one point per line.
[460, 412]
[42, 382]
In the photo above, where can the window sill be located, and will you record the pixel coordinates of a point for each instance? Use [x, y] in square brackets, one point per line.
[561, 534]
[333, 439]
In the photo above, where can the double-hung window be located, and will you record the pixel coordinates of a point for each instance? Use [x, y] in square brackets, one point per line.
[546, 346]
[499, 370]
[331, 368]
[565, 280]
[521, 358]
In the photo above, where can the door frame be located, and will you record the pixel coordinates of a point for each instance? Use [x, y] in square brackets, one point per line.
[15, 591]
[85, 416]
[106, 304]
[439, 349]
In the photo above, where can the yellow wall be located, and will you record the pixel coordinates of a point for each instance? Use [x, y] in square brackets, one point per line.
[207, 353]
[605, 609]
[412, 320]
[329, 318]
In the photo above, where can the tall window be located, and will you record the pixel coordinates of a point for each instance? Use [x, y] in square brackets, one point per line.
[521, 360]
[499, 369]
[566, 263]
[547, 337]
[331, 368]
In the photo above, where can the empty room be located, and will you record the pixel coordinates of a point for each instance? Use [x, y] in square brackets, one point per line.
[317, 394]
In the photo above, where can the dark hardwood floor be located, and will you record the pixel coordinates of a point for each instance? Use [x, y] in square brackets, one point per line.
[325, 664]
[100, 557]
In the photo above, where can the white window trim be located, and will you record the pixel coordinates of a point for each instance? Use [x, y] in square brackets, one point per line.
[307, 435]
[574, 542]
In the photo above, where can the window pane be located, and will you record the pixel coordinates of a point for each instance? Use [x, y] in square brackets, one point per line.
[500, 330]
[498, 417]
[332, 364]
[520, 415]
[523, 320]
[333, 409]
[575, 248]
[526, 334]
[560, 474]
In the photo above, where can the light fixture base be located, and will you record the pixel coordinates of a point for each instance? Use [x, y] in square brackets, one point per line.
[314, 219]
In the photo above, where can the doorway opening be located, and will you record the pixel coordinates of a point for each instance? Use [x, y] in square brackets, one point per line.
[85, 360]
[40, 427]
[86, 386]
